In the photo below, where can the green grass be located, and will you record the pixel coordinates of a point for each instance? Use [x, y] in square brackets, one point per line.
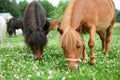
[17, 63]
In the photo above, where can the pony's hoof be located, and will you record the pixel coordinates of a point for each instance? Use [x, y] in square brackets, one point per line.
[85, 60]
[93, 61]
[103, 50]
[106, 55]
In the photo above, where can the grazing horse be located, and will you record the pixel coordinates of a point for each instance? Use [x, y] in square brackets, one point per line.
[54, 24]
[36, 28]
[93, 16]
[2, 28]
[14, 24]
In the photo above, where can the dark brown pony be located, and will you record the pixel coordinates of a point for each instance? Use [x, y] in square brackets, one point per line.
[36, 28]
[14, 24]
[93, 16]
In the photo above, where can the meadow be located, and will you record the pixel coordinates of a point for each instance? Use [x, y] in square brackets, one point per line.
[17, 62]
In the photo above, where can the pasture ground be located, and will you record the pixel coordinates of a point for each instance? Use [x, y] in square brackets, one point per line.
[17, 63]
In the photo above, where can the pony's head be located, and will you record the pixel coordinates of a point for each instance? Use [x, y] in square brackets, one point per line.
[10, 32]
[37, 40]
[11, 26]
[72, 45]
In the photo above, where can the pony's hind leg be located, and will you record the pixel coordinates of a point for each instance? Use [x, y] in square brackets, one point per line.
[108, 39]
[102, 37]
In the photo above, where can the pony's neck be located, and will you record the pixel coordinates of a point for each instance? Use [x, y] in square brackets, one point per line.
[67, 15]
[71, 17]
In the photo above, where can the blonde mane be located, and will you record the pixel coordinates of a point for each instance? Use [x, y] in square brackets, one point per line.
[69, 39]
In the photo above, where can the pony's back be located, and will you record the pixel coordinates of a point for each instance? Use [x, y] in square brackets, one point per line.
[2, 28]
[34, 16]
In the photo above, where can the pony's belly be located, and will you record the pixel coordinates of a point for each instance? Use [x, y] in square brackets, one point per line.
[101, 28]
[102, 25]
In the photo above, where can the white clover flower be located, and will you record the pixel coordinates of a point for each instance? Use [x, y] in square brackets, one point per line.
[38, 74]
[49, 77]
[29, 75]
[94, 78]
[1, 76]
[50, 72]
[69, 76]
[16, 76]
[18, 69]
[63, 78]
[35, 67]
[42, 73]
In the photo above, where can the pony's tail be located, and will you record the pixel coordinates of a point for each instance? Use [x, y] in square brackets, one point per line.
[69, 39]
[37, 39]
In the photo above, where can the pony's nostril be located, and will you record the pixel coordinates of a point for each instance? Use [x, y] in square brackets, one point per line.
[38, 58]
[77, 67]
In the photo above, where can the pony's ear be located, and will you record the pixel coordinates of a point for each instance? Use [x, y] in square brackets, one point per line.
[60, 31]
[54, 24]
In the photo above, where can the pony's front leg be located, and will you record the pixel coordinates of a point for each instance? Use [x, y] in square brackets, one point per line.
[91, 45]
[85, 57]
[15, 32]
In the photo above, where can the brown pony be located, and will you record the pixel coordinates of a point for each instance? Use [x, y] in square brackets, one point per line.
[36, 28]
[93, 16]
[54, 24]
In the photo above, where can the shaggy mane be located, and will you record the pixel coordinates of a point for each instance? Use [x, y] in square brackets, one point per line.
[69, 39]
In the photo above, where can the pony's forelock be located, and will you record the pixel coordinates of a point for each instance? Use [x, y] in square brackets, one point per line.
[69, 38]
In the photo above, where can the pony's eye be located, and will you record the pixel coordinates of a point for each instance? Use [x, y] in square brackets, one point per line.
[77, 47]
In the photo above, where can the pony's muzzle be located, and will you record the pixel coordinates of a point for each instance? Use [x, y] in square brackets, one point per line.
[37, 57]
[10, 36]
[73, 64]
[72, 67]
